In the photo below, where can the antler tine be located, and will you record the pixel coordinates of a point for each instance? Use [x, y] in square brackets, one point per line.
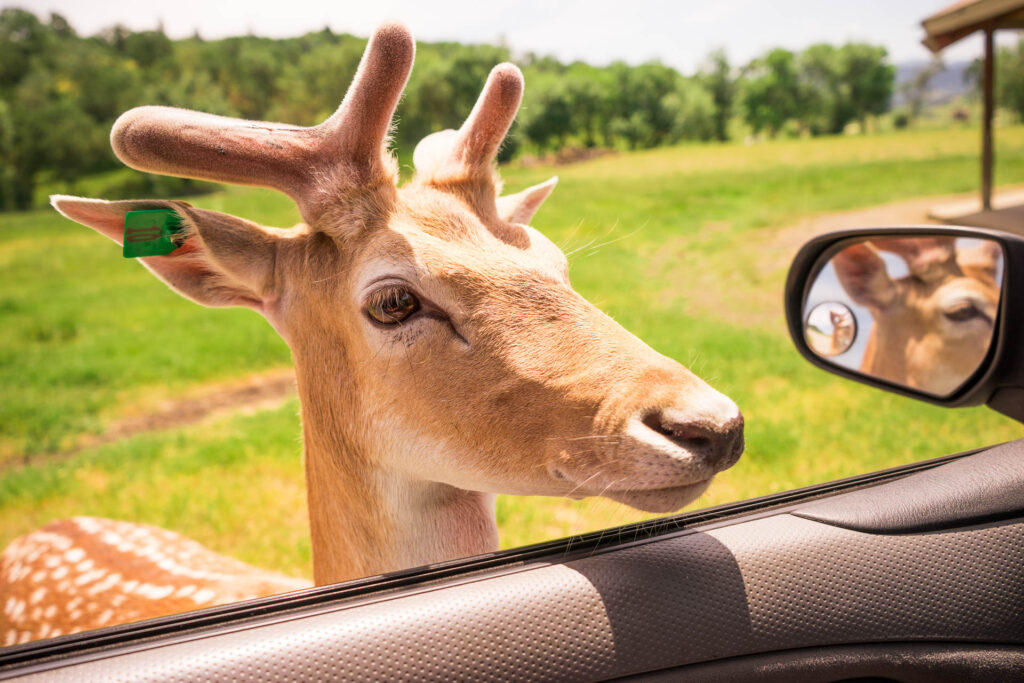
[292, 159]
[186, 143]
[477, 141]
[360, 125]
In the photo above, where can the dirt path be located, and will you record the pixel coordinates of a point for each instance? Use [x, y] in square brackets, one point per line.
[261, 391]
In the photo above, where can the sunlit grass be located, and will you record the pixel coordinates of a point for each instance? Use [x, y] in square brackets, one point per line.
[680, 245]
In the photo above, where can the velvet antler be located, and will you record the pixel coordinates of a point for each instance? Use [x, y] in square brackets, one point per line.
[307, 164]
[451, 156]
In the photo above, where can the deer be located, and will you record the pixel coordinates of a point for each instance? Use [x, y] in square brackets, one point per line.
[441, 355]
[933, 326]
[843, 329]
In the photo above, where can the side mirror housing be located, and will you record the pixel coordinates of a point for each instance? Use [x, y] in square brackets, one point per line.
[929, 312]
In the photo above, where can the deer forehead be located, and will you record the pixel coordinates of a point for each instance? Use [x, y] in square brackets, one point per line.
[983, 295]
[456, 255]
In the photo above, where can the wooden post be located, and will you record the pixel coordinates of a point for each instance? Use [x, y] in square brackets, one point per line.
[987, 86]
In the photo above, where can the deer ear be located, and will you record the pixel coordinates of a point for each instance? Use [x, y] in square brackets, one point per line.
[225, 261]
[861, 272]
[520, 207]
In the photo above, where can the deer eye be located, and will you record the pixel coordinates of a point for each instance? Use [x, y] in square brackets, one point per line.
[963, 311]
[392, 305]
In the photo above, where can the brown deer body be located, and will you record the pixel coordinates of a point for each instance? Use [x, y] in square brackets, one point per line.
[441, 355]
[932, 327]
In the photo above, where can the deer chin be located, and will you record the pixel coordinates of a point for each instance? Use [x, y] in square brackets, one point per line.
[663, 500]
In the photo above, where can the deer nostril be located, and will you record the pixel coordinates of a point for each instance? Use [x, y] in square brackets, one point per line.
[718, 443]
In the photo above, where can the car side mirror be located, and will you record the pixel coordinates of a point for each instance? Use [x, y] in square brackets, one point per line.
[927, 312]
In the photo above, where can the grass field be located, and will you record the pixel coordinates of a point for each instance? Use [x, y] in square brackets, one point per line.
[687, 247]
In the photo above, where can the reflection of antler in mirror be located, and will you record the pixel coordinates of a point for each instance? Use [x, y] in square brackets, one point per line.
[933, 326]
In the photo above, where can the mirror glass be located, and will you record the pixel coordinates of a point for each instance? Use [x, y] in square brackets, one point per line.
[916, 311]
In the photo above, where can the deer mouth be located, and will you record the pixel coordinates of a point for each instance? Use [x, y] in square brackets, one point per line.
[661, 466]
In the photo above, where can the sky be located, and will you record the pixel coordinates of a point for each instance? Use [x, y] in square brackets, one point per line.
[680, 33]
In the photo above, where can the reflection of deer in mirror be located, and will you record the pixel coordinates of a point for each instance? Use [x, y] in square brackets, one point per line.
[932, 327]
[441, 354]
[842, 332]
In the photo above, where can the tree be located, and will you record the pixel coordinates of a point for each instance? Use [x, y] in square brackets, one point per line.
[771, 91]
[717, 77]
[588, 89]
[916, 90]
[823, 103]
[7, 170]
[869, 78]
[23, 39]
[1009, 77]
[548, 121]
[692, 110]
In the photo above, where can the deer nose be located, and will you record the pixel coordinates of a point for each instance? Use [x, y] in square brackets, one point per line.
[718, 443]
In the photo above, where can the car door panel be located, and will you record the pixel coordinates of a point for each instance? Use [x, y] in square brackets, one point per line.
[784, 579]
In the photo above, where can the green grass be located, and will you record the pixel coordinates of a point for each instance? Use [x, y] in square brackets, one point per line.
[687, 247]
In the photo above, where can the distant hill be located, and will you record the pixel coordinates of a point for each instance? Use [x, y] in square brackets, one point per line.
[945, 85]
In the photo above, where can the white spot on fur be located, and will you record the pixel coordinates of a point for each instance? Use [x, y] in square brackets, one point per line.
[148, 590]
[89, 577]
[74, 555]
[37, 596]
[85, 566]
[50, 612]
[106, 616]
[110, 538]
[105, 584]
[185, 591]
[203, 596]
[39, 576]
[90, 525]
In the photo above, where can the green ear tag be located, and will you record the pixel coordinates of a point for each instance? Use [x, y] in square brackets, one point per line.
[153, 232]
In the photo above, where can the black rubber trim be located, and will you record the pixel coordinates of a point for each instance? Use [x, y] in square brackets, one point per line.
[189, 623]
[1001, 662]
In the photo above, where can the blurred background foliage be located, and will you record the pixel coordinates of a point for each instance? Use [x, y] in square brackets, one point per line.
[60, 92]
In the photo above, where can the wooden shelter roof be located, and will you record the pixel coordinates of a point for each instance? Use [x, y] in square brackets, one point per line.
[964, 17]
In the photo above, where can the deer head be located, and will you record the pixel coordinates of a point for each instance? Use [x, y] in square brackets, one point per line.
[442, 355]
[933, 326]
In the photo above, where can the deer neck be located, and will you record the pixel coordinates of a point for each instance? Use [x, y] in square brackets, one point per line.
[366, 519]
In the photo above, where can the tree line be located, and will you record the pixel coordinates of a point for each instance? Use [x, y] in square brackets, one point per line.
[60, 92]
